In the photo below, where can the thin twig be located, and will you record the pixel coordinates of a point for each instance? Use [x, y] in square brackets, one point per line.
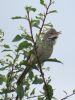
[39, 64]
[43, 21]
[68, 96]
[34, 96]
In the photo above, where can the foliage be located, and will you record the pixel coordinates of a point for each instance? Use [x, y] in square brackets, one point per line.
[1, 35]
[15, 60]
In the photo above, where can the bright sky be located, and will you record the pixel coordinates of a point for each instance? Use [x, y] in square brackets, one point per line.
[63, 76]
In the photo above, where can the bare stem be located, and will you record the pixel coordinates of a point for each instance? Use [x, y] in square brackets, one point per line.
[68, 96]
[43, 21]
[34, 96]
[39, 64]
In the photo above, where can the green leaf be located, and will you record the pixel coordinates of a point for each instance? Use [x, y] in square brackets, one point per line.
[42, 2]
[30, 8]
[38, 39]
[27, 87]
[39, 17]
[3, 68]
[31, 75]
[31, 66]
[17, 38]
[48, 91]
[6, 46]
[2, 79]
[53, 11]
[1, 35]
[74, 91]
[37, 80]
[2, 62]
[8, 55]
[20, 91]
[40, 14]
[40, 98]
[48, 24]
[53, 60]
[24, 62]
[35, 23]
[26, 36]
[65, 92]
[6, 50]
[18, 17]
[23, 45]
[33, 91]
[5, 91]
[1, 32]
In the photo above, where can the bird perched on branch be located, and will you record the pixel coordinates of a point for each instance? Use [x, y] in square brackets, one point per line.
[42, 51]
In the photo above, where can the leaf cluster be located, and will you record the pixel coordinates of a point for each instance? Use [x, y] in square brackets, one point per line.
[16, 60]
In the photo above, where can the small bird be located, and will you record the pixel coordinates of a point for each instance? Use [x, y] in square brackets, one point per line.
[44, 50]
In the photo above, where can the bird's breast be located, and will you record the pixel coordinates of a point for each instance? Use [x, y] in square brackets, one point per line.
[45, 52]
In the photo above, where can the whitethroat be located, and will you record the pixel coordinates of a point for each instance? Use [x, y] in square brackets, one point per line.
[43, 50]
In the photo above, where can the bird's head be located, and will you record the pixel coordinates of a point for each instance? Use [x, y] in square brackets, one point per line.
[51, 36]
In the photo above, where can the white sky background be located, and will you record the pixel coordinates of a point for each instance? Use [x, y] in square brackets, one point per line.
[63, 76]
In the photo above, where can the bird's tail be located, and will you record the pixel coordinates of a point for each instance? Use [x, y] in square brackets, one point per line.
[26, 70]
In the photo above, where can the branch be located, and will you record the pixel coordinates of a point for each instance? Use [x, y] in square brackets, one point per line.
[34, 96]
[34, 46]
[39, 64]
[43, 21]
[68, 96]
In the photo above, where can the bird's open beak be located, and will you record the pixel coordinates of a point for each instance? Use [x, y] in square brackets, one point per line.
[55, 36]
[58, 33]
